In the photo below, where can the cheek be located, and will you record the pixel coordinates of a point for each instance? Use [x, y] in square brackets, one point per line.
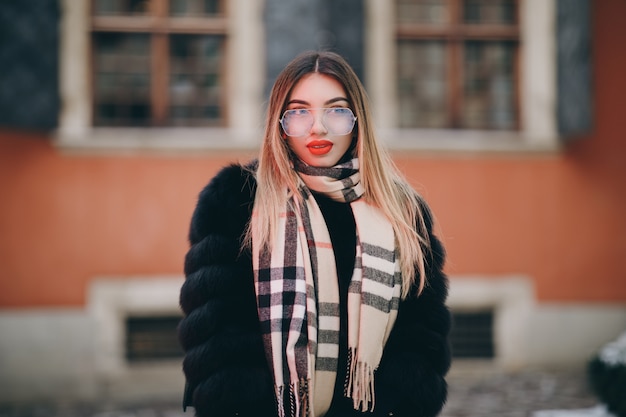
[345, 143]
[296, 146]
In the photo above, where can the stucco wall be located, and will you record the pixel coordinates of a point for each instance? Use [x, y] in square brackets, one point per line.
[557, 218]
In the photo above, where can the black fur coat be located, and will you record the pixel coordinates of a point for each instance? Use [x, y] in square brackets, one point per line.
[225, 365]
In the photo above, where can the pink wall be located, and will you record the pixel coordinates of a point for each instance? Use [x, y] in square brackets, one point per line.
[560, 219]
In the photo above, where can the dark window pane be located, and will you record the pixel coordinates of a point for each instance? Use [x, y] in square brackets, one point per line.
[152, 338]
[422, 11]
[194, 7]
[121, 7]
[212, 112]
[422, 84]
[472, 335]
[489, 95]
[195, 79]
[211, 6]
[121, 79]
[489, 11]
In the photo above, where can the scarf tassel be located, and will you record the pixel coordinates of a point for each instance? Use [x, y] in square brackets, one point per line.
[360, 386]
[298, 399]
[303, 398]
[280, 399]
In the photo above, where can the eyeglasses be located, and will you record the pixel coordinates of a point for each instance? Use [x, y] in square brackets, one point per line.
[337, 121]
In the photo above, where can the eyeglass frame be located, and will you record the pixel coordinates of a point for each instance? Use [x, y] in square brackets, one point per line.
[354, 119]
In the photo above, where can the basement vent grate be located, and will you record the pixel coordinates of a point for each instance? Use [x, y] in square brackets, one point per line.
[471, 336]
[152, 338]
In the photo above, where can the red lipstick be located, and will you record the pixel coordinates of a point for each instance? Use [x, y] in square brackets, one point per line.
[319, 147]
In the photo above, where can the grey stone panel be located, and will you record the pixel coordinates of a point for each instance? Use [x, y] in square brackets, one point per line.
[295, 26]
[29, 57]
[574, 68]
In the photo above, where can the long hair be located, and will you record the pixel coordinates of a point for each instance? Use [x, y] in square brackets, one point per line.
[384, 186]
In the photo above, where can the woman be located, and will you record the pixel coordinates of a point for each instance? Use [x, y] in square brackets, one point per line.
[314, 283]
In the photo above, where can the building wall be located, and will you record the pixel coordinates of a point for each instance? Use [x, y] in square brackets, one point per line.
[555, 222]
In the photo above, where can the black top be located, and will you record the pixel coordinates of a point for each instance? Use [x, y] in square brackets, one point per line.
[342, 229]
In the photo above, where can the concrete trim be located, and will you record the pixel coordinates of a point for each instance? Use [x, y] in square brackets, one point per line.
[78, 354]
[45, 355]
[110, 301]
[511, 298]
[528, 333]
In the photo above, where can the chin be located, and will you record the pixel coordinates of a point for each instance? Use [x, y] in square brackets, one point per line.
[323, 163]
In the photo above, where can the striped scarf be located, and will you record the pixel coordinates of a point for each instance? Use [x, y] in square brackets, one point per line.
[298, 296]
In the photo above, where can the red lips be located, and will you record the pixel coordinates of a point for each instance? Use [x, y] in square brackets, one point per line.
[319, 147]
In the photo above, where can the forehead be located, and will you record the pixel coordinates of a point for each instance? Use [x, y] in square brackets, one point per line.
[316, 88]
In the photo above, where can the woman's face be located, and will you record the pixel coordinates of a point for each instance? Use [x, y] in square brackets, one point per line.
[322, 141]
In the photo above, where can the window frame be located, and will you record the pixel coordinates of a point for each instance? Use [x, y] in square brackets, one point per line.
[159, 26]
[243, 50]
[454, 34]
[537, 88]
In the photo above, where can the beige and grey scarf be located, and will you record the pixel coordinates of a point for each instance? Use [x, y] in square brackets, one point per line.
[298, 296]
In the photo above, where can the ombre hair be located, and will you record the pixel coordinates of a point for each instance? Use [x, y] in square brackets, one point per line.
[384, 186]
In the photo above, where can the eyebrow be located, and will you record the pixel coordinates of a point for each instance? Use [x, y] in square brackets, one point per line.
[331, 101]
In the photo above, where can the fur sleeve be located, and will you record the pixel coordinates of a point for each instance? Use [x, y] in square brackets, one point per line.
[224, 364]
[410, 380]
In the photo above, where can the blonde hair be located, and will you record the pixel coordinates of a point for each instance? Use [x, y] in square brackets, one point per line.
[384, 186]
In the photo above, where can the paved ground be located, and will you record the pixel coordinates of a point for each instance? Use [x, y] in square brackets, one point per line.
[517, 395]
[472, 394]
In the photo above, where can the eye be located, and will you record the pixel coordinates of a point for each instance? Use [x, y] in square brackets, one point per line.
[299, 112]
[338, 111]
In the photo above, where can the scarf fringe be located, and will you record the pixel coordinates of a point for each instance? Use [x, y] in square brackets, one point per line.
[303, 398]
[280, 399]
[298, 399]
[360, 385]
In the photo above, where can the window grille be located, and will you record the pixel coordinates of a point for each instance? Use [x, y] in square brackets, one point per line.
[472, 335]
[158, 63]
[152, 338]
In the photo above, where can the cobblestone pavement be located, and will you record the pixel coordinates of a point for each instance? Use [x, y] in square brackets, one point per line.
[471, 394]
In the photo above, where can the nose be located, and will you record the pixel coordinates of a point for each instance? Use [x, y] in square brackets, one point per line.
[318, 127]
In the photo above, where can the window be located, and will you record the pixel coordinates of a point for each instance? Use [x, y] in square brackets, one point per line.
[134, 321]
[490, 319]
[152, 338]
[457, 64]
[464, 75]
[158, 62]
[186, 75]
[471, 336]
